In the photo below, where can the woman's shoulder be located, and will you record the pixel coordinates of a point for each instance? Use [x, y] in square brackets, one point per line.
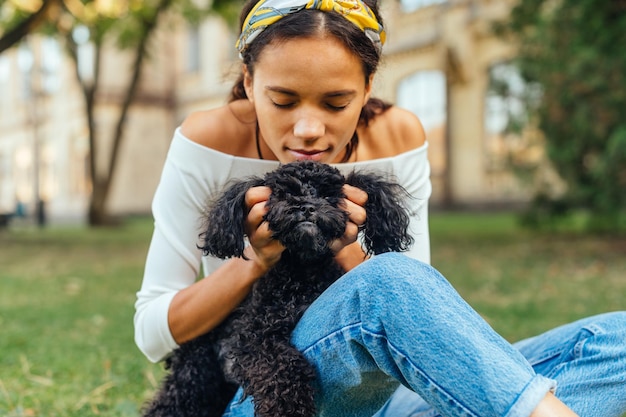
[401, 127]
[227, 129]
[392, 133]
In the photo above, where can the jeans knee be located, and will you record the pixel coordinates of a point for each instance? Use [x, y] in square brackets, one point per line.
[612, 323]
[387, 269]
[395, 263]
[394, 277]
[610, 332]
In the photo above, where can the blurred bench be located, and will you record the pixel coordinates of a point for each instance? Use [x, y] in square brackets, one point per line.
[5, 219]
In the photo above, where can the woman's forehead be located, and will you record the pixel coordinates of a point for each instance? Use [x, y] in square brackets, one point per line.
[316, 58]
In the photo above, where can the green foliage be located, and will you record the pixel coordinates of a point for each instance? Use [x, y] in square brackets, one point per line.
[11, 17]
[124, 22]
[228, 8]
[574, 50]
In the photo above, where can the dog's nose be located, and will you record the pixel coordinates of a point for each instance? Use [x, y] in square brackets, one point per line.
[307, 209]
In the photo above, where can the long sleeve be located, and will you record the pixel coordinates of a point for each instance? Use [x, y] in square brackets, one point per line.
[191, 175]
[173, 260]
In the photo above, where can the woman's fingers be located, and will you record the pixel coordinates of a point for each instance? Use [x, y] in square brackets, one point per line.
[266, 250]
[256, 197]
[355, 202]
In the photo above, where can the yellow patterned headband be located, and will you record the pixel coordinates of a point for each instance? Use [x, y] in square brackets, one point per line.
[267, 12]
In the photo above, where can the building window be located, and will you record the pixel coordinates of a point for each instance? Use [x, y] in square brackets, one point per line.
[85, 54]
[506, 118]
[25, 63]
[80, 183]
[50, 66]
[8, 199]
[193, 49]
[412, 5]
[424, 94]
[5, 75]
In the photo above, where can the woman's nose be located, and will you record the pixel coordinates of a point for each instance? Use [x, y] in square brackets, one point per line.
[309, 128]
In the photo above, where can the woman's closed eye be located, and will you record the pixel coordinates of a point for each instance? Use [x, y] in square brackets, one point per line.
[283, 105]
[329, 106]
[336, 107]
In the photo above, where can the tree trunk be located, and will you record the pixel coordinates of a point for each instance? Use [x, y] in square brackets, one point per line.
[98, 215]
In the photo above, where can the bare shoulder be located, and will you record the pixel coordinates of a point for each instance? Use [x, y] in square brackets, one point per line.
[391, 133]
[226, 129]
[405, 126]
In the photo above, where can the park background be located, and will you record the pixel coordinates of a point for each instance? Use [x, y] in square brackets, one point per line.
[521, 101]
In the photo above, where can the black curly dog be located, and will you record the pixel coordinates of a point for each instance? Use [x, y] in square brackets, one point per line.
[252, 348]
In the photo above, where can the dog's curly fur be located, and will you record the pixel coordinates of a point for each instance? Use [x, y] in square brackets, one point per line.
[252, 348]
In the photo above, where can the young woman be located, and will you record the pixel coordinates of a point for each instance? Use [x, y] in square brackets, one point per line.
[391, 337]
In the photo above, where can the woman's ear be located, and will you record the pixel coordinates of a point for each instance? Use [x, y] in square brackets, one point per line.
[368, 88]
[247, 82]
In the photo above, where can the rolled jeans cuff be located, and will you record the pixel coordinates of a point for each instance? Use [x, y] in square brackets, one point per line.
[531, 396]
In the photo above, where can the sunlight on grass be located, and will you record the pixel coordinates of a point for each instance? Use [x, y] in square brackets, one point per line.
[66, 303]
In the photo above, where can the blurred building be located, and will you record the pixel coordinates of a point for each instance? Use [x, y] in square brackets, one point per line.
[439, 60]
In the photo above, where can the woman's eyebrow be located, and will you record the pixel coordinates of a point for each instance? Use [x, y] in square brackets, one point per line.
[340, 93]
[330, 94]
[280, 90]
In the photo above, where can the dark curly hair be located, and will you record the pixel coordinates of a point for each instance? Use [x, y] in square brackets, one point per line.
[309, 23]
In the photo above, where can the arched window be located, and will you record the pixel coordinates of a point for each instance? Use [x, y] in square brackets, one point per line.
[193, 49]
[506, 117]
[51, 60]
[424, 94]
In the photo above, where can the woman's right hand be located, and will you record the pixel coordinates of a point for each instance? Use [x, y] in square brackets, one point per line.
[205, 304]
[263, 249]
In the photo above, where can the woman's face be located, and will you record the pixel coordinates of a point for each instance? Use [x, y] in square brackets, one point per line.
[308, 94]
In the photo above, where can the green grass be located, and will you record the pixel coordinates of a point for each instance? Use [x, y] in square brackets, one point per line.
[67, 294]
[66, 306]
[524, 283]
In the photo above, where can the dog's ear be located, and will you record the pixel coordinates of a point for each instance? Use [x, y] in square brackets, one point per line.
[386, 227]
[224, 225]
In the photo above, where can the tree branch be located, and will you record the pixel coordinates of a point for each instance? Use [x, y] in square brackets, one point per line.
[26, 26]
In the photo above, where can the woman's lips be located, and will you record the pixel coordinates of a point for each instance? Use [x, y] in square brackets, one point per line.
[314, 155]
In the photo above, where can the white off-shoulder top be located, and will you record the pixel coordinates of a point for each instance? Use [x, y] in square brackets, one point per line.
[193, 174]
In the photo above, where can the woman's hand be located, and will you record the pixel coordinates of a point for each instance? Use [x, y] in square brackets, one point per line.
[348, 251]
[266, 251]
[263, 249]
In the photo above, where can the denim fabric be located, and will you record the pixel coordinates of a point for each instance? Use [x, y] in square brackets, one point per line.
[395, 322]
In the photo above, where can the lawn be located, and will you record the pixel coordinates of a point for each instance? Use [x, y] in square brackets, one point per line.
[67, 294]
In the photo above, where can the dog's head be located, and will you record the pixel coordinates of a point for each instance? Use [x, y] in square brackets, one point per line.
[304, 209]
[306, 213]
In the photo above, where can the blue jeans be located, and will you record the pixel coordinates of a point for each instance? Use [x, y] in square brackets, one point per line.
[394, 322]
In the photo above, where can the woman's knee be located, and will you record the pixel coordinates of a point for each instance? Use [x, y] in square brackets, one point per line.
[609, 330]
[392, 273]
[612, 322]
[387, 269]
[600, 335]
